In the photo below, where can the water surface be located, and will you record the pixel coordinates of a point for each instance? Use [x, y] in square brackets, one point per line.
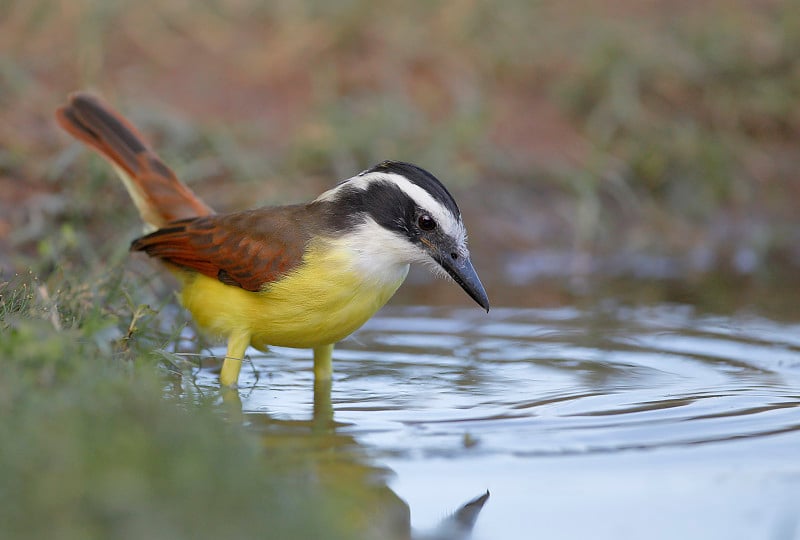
[601, 422]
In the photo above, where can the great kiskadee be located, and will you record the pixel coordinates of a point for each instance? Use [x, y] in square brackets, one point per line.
[304, 275]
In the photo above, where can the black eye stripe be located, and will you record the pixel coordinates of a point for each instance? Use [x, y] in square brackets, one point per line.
[422, 178]
[389, 205]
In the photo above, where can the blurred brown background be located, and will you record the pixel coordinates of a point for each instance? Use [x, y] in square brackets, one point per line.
[651, 140]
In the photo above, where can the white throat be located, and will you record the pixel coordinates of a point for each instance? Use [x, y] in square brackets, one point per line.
[379, 255]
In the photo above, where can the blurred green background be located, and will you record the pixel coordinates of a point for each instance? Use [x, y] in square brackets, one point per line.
[628, 139]
[589, 128]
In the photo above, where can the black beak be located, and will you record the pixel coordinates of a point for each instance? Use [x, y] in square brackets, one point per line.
[463, 273]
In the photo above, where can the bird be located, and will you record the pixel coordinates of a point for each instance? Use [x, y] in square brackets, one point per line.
[301, 275]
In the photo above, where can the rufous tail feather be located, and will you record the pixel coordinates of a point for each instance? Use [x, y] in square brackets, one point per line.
[158, 194]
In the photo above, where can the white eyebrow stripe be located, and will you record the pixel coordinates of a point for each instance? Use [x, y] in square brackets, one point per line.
[451, 225]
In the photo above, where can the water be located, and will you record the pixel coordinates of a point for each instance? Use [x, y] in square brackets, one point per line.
[601, 422]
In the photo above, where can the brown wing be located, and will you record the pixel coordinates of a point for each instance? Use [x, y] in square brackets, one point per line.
[246, 249]
[157, 192]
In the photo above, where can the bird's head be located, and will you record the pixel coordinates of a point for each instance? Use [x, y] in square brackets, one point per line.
[396, 213]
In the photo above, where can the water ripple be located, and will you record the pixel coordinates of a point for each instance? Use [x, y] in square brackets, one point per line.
[539, 396]
[559, 381]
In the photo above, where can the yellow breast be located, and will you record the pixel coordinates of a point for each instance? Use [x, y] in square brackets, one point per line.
[323, 300]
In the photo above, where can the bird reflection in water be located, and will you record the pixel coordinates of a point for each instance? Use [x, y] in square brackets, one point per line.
[345, 471]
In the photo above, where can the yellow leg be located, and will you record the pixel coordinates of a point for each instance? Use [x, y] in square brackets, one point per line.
[237, 345]
[323, 367]
[323, 408]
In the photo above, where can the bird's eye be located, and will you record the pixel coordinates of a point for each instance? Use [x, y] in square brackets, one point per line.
[426, 222]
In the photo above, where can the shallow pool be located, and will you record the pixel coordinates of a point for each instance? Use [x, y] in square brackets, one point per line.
[599, 422]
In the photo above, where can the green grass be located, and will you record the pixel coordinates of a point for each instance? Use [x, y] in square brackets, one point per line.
[94, 447]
